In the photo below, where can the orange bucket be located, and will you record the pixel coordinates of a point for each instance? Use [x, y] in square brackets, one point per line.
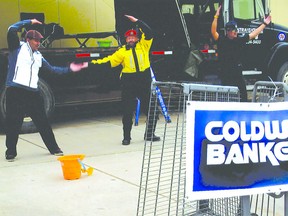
[70, 166]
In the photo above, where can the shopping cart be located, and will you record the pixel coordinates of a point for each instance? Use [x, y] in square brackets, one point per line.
[265, 91]
[162, 185]
[269, 204]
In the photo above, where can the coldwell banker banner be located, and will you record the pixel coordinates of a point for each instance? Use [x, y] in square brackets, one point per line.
[236, 149]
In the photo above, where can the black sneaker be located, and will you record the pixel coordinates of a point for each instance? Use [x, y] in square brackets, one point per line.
[152, 138]
[10, 158]
[59, 152]
[125, 142]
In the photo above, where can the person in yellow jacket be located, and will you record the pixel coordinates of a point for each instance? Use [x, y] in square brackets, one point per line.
[135, 77]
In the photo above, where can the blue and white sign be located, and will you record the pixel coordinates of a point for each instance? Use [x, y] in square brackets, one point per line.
[281, 36]
[236, 149]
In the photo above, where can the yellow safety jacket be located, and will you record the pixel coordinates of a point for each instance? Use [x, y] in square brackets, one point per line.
[125, 57]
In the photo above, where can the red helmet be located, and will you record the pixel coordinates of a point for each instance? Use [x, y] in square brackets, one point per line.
[131, 32]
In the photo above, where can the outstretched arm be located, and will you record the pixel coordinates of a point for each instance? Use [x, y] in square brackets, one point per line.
[75, 67]
[214, 32]
[257, 31]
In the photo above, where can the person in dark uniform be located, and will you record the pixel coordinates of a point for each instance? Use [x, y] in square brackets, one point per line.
[22, 93]
[135, 77]
[229, 50]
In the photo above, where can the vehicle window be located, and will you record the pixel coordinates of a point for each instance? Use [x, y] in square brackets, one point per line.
[199, 8]
[198, 16]
[188, 9]
[247, 9]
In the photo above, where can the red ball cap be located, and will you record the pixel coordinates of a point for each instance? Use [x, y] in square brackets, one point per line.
[33, 34]
[131, 32]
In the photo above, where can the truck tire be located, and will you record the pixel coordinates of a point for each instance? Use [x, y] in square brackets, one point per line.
[28, 125]
[283, 73]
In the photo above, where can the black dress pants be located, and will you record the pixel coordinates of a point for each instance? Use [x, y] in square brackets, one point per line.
[231, 75]
[21, 102]
[136, 85]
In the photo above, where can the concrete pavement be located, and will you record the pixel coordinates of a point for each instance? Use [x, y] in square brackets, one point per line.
[34, 185]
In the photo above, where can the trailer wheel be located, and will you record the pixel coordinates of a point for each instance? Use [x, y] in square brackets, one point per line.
[28, 125]
[283, 73]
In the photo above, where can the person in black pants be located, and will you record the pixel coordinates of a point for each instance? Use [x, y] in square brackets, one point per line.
[135, 77]
[229, 51]
[22, 93]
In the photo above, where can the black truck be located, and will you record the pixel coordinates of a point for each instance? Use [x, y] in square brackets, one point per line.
[183, 50]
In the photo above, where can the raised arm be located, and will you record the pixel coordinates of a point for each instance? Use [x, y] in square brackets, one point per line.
[257, 31]
[143, 26]
[214, 32]
[12, 37]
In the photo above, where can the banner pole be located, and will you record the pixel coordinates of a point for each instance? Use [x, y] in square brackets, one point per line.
[160, 98]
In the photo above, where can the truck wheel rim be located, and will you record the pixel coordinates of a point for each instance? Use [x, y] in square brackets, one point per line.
[285, 77]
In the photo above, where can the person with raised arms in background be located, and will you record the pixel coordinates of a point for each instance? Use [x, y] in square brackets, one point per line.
[229, 52]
